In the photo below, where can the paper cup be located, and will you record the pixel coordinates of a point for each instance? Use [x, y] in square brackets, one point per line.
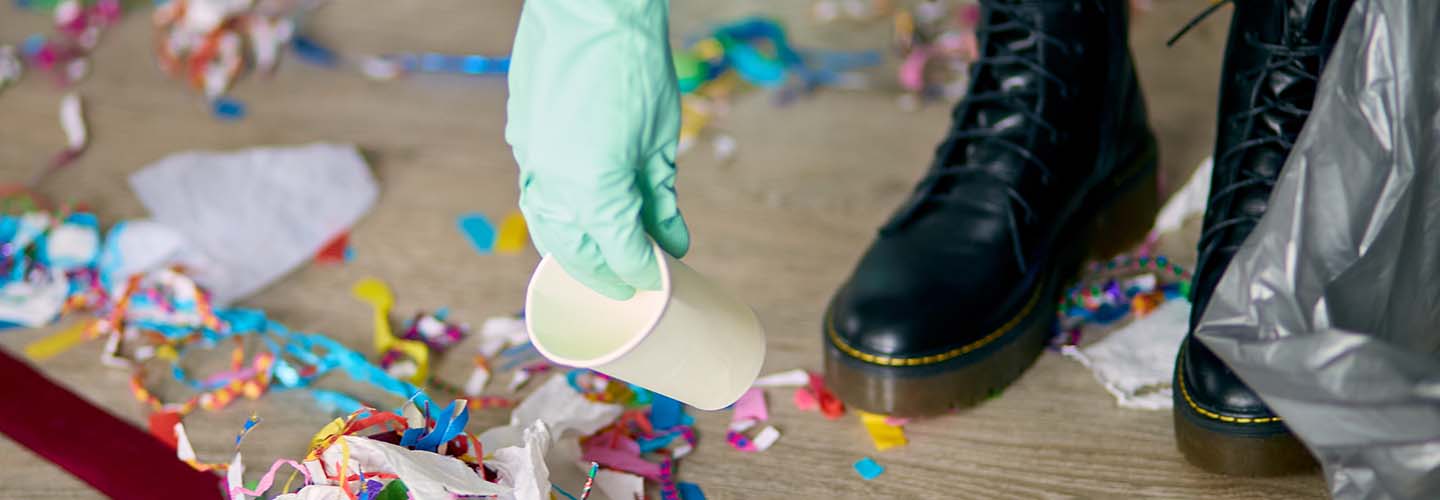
[690, 340]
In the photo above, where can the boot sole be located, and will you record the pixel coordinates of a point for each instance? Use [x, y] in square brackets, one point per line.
[965, 376]
[1243, 447]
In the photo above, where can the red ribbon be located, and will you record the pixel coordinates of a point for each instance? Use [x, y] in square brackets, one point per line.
[114, 457]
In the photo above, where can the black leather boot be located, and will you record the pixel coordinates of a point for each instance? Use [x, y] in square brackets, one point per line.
[956, 296]
[1273, 60]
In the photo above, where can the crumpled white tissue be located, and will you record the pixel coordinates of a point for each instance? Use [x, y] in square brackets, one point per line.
[426, 475]
[1135, 363]
[523, 467]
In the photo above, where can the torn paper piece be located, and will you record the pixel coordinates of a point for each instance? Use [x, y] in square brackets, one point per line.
[518, 380]
[183, 450]
[72, 121]
[523, 468]
[560, 407]
[665, 413]
[690, 491]
[10, 67]
[316, 492]
[789, 378]
[500, 332]
[618, 485]
[476, 383]
[805, 400]
[34, 302]
[478, 230]
[257, 213]
[868, 469]
[882, 433]
[74, 243]
[766, 438]
[427, 475]
[622, 460]
[140, 246]
[1188, 201]
[751, 406]
[1135, 363]
[235, 478]
[513, 234]
[760, 442]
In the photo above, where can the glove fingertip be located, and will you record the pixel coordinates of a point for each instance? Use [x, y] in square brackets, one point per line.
[673, 236]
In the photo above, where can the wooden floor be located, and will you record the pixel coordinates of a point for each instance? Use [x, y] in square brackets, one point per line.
[784, 222]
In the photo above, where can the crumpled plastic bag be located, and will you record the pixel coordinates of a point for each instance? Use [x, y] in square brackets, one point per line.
[257, 213]
[1331, 309]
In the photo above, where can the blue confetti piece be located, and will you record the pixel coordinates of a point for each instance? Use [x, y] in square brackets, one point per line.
[648, 445]
[227, 109]
[478, 230]
[312, 52]
[410, 437]
[868, 469]
[349, 253]
[690, 491]
[665, 412]
[32, 45]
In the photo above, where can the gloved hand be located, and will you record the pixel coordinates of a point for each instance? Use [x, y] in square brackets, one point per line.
[594, 117]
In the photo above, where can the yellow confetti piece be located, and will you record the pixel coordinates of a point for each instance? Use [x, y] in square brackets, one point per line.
[513, 234]
[167, 353]
[49, 347]
[380, 298]
[694, 115]
[884, 435]
[330, 430]
[708, 48]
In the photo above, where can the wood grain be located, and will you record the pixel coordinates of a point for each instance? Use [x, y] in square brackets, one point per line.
[783, 222]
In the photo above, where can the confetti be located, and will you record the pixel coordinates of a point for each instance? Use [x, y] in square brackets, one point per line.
[227, 109]
[868, 469]
[513, 234]
[882, 433]
[751, 406]
[789, 378]
[311, 52]
[805, 400]
[690, 491]
[478, 231]
[335, 251]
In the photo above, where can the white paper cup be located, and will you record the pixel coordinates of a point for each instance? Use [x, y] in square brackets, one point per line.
[690, 340]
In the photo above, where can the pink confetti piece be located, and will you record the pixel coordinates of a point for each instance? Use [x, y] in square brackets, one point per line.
[805, 400]
[751, 406]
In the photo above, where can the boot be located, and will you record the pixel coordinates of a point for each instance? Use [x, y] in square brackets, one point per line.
[1273, 60]
[956, 296]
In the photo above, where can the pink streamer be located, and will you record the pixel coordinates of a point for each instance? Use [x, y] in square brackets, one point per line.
[269, 479]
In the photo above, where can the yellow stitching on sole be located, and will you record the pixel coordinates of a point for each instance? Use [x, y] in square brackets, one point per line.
[1180, 381]
[934, 358]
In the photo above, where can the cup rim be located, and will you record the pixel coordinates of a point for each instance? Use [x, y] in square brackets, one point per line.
[548, 261]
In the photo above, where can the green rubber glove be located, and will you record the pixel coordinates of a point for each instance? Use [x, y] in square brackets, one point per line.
[594, 117]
